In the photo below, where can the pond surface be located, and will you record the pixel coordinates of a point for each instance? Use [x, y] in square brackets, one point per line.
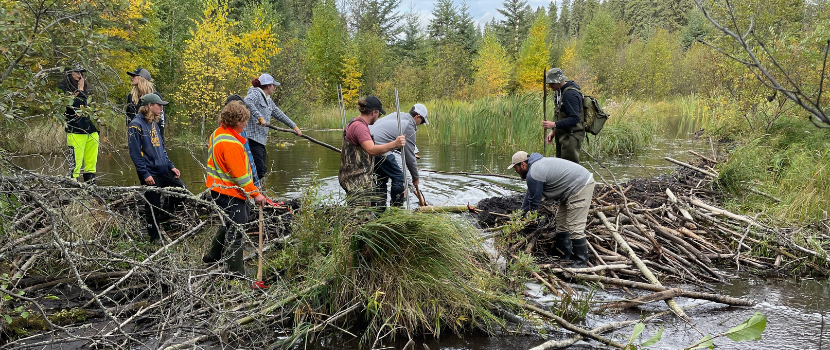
[795, 308]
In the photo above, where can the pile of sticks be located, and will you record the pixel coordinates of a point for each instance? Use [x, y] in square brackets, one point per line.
[668, 228]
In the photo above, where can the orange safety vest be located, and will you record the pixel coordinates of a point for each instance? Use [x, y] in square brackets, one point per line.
[228, 169]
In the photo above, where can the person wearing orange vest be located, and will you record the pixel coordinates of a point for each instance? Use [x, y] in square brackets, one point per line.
[231, 182]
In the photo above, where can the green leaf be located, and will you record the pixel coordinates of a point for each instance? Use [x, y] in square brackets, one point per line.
[704, 343]
[8, 319]
[654, 339]
[636, 333]
[749, 330]
[24, 314]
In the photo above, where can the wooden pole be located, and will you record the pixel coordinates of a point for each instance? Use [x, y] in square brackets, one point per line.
[304, 136]
[259, 265]
[544, 112]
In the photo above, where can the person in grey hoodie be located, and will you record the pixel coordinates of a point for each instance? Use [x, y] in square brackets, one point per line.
[389, 166]
[262, 108]
[572, 186]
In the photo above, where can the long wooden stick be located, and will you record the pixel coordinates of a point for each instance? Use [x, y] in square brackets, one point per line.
[569, 326]
[650, 287]
[544, 111]
[687, 165]
[303, 136]
[640, 265]
[650, 298]
[259, 265]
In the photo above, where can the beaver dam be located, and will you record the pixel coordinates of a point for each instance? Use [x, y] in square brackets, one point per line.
[77, 271]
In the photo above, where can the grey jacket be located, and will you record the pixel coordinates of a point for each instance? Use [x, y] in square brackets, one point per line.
[553, 178]
[385, 130]
[262, 106]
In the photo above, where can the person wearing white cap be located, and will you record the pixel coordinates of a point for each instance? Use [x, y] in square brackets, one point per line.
[388, 166]
[572, 186]
[262, 108]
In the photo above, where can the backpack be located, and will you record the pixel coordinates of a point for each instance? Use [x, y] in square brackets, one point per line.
[593, 116]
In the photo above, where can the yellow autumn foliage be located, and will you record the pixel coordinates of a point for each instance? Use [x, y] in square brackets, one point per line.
[492, 69]
[351, 81]
[533, 56]
[218, 63]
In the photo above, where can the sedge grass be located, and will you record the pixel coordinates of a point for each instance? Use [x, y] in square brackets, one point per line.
[417, 273]
[792, 163]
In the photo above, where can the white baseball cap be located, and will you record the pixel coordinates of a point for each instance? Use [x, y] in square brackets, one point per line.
[267, 79]
[421, 110]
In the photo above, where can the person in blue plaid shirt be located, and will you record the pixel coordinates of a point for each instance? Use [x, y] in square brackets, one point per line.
[262, 109]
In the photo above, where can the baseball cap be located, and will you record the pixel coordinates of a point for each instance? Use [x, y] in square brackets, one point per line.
[152, 98]
[422, 110]
[555, 75]
[518, 157]
[75, 67]
[267, 79]
[374, 104]
[141, 72]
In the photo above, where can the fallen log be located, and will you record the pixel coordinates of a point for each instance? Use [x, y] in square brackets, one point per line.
[470, 174]
[650, 298]
[594, 269]
[569, 326]
[650, 287]
[687, 165]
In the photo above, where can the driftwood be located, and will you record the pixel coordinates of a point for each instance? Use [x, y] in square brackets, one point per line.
[646, 286]
[650, 298]
[472, 174]
[303, 136]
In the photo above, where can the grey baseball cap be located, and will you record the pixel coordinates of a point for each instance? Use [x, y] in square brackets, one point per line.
[267, 79]
[141, 72]
[152, 98]
[422, 111]
[554, 76]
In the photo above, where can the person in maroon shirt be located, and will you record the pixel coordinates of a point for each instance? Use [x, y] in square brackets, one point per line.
[358, 153]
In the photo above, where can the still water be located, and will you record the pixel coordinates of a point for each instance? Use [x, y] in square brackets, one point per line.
[795, 308]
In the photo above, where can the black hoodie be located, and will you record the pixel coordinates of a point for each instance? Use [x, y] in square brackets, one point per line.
[76, 123]
[571, 105]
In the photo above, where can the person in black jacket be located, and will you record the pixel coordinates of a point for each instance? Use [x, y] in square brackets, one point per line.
[142, 84]
[568, 125]
[81, 133]
[152, 164]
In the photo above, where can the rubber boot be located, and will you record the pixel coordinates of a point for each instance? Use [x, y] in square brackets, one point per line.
[216, 244]
[562, 245]
[397, 196]
[89, 178]
[580, 253]
[236, 266]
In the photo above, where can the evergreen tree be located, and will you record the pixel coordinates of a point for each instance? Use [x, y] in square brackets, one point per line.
[326, 43]
[443, 24]
[466, 30]
[588, 9]
[518, 18]
[413, 44]
[576, 17]
[565, 19]
[553, 22]
[377, 15]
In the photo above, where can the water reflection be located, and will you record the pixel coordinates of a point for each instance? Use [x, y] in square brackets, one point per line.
[294, 164]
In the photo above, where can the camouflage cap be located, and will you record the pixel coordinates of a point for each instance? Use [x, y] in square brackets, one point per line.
[555, 75]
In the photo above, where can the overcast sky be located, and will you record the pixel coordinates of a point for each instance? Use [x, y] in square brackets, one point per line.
[482, 11]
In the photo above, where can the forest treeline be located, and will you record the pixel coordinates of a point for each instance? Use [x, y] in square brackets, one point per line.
[200, 51]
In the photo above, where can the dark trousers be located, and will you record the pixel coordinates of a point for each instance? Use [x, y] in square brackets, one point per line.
[153, 204]
[386, 168]
[260, 157]
[567, 144]
[237, 210]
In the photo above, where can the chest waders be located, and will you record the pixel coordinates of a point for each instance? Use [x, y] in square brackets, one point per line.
[568, 140]
[355, 175]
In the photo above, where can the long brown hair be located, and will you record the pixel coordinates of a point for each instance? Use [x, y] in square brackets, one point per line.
[148, 115]
[142, 88]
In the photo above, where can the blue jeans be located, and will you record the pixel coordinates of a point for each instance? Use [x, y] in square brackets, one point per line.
[386, 168]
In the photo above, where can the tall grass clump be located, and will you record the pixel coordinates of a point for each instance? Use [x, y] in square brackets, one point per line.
[792, 162]
[414, 273]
